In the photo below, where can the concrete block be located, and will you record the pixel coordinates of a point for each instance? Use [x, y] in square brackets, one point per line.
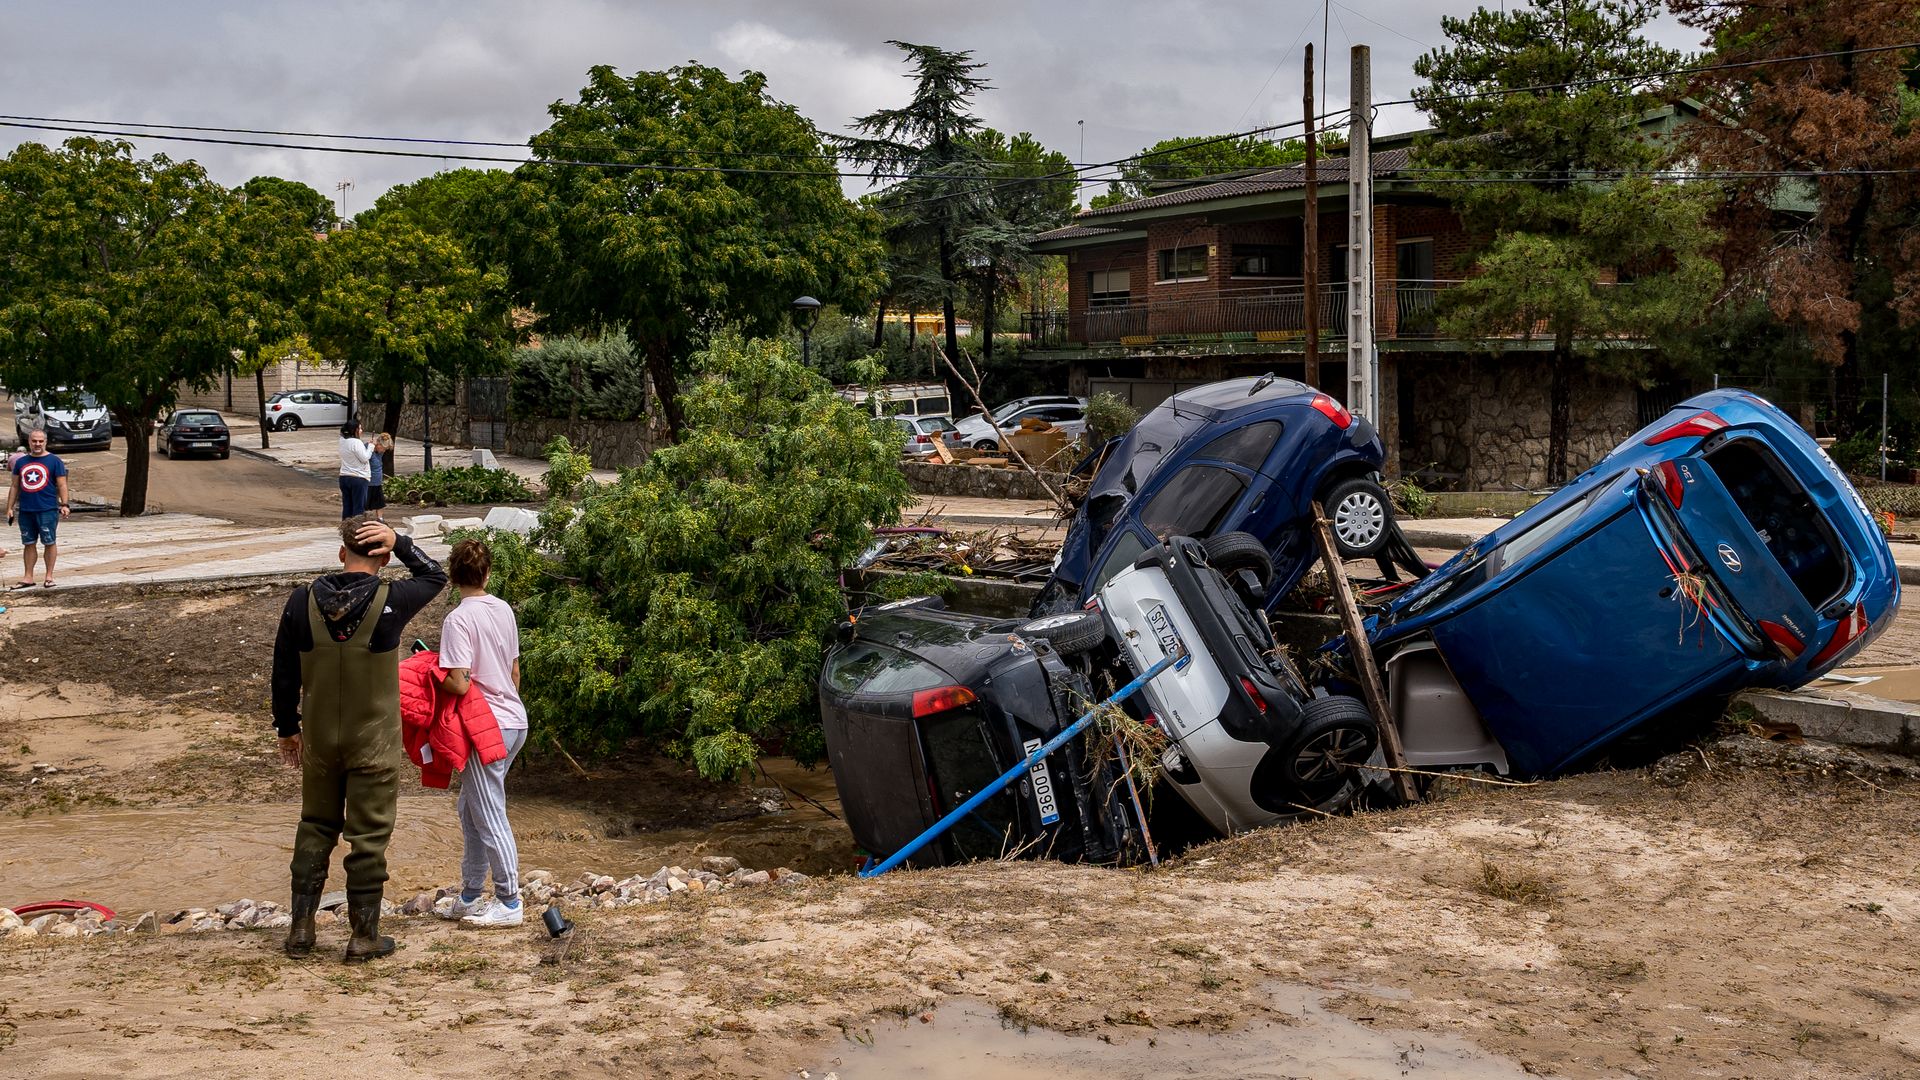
[461, 523]
[422, 526]
[1846, 717]
[483, 458]
[513, 519]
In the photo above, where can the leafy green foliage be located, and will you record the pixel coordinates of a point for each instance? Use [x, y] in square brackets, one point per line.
[306, 207]
[1197, 156]
[579, 379]
[669, 255]
[469, 485]
[568, 471]
[689, 602]
[1552, 240]
[1108, 417]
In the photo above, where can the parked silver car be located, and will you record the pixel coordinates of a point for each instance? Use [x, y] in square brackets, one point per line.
[1069, 414]
[923, 432]
[291, 410]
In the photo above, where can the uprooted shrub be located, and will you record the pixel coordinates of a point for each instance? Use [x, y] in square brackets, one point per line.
[689, 602]
[466, 485]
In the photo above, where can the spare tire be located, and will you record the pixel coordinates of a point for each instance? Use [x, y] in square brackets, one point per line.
[1233, 552]
[1335, 738]
[1070, 632]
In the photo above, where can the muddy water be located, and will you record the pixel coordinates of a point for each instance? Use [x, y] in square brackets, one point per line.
[967, 1039]
[170, 858]
[1897, 683]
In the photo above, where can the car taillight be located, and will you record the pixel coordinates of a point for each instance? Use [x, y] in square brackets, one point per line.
[1785, 640]
[275, 408]
[923, 438]
[1698, 424]
[941, 699]
[1844, 635]
[1332, 410]
[1254, 693]
[1670, 480]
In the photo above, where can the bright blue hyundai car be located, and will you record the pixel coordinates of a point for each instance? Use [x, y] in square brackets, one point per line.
[1244, 455]
[1716, 550]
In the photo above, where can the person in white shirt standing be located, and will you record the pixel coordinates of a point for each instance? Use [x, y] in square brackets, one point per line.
[356, 470]
[480, 649]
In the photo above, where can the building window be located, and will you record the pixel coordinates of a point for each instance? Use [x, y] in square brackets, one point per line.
[1265, 260]
[1414, 261]
[1183, 264]
[1108, 288]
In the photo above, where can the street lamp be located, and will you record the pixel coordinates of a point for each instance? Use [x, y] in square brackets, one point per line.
[805, 310]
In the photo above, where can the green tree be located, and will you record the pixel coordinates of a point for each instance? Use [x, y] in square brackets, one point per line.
[402, 305]
[273, 275]
[690, 601]
[1526, 148]
[664, 241]
[306, 206]
[927, 147]
[113, 277]
[1032, 190]
[1197, 156]
[1835, 258]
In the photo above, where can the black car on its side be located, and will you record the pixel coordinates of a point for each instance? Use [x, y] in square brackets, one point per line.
[194, 431]
[923, 707]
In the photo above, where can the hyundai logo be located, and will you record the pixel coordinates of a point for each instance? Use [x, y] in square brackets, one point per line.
[1730, 557]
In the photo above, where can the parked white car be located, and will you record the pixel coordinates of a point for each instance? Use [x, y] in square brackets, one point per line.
[291, 410]
[1069, 414]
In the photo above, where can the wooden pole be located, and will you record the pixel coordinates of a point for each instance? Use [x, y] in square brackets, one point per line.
[1375, 694]
[1310, 239]
[1059, 500]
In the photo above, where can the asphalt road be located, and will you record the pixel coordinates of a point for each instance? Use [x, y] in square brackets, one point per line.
[241, 489]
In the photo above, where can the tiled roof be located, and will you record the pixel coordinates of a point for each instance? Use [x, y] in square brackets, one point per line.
[1074, 232]
[1330, 171]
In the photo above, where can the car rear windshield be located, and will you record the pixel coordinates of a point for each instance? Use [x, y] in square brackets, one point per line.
[866, 668]
[1784, 516]
[198, 418]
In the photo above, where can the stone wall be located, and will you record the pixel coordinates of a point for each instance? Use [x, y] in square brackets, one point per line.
[612, 444]
[969, 482]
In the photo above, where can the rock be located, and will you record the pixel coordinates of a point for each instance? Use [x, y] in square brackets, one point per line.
[696, 885]
[443, 907]
[603, 884]
[10, 921]
[451, 524]
[758, 877]
[793, 877]
[39, 925]
[180, 927]
[720, 864]
[205, 923]
[676, 872]
[421, 904]
[676, 885]
[278, 921]
[91, 929]
[542, 877]
[228, 911]
[334, 899]
[325, 918]
[61, 929]
[513, 519]
[148, 922]
[114, 926]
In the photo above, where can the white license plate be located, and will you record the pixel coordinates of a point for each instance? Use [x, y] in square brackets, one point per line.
[1042, 782]
[202, 445]
[1170, 643]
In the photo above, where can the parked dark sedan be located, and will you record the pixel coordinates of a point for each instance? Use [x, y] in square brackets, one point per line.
[923, 707]
[1244, 455]
[194, 431]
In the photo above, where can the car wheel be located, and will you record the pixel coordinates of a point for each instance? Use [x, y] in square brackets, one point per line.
[1070, 633]
[288, 423]
[163, 449]
[1233, 552]
[987, 445]
[1336, 737]
[224, 453]
[1361, 513]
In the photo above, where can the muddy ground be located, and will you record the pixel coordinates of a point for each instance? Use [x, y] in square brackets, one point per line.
[1742, 909]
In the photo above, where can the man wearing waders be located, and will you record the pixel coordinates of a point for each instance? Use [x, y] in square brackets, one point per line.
[336, 706]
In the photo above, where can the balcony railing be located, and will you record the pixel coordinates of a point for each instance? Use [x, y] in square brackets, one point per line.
[1402, 309]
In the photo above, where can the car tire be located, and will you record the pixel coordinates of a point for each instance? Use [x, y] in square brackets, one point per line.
[1233, 552]
[986, 445]
[1336, 736]
[1361, 515]
[287, 423]
[1070, 632]
[162, 448]
[224, 454]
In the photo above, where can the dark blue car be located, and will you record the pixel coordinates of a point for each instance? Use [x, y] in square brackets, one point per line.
[1716, 550]
[1246, 455]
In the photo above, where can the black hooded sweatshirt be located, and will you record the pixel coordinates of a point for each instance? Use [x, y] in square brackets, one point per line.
[343, 601]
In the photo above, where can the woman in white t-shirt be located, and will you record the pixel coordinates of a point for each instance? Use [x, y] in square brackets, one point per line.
[355, 470]
[480, 648]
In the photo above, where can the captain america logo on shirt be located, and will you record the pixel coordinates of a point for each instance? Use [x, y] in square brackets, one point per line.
[34, 477]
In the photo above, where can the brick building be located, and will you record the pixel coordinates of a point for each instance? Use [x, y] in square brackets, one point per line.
[1203, 281]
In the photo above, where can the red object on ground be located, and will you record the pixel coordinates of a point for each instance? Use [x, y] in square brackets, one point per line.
[42, 907]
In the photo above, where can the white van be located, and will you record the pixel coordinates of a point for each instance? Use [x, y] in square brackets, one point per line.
[72, 418]
[902, 398]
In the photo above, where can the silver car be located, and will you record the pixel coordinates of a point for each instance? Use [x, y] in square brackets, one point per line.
[923, 432]
[1069, 414]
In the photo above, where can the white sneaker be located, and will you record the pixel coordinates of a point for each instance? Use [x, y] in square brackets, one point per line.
[497, 914]
[452, 907]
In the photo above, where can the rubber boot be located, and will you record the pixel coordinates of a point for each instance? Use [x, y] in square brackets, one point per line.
[363, 912]
[300, 936]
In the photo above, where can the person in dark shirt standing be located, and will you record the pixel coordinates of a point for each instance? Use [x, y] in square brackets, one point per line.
[336, 707]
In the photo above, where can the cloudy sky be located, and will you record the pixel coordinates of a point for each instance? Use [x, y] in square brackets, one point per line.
[1134, 72]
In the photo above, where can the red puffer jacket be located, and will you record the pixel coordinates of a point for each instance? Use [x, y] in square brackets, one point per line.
[440, 730]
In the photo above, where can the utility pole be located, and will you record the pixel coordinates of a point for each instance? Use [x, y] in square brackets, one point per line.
[342, 187]
[1362, 381]
[1310, 240]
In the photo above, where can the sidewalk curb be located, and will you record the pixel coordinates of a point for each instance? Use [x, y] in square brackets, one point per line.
[1842, 716]
[262, 455]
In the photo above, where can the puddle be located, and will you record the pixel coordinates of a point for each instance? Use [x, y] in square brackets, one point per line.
[1897, 683]
[168, 858]
[966, 1040]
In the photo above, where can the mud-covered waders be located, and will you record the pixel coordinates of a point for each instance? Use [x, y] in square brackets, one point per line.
[349, 757]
